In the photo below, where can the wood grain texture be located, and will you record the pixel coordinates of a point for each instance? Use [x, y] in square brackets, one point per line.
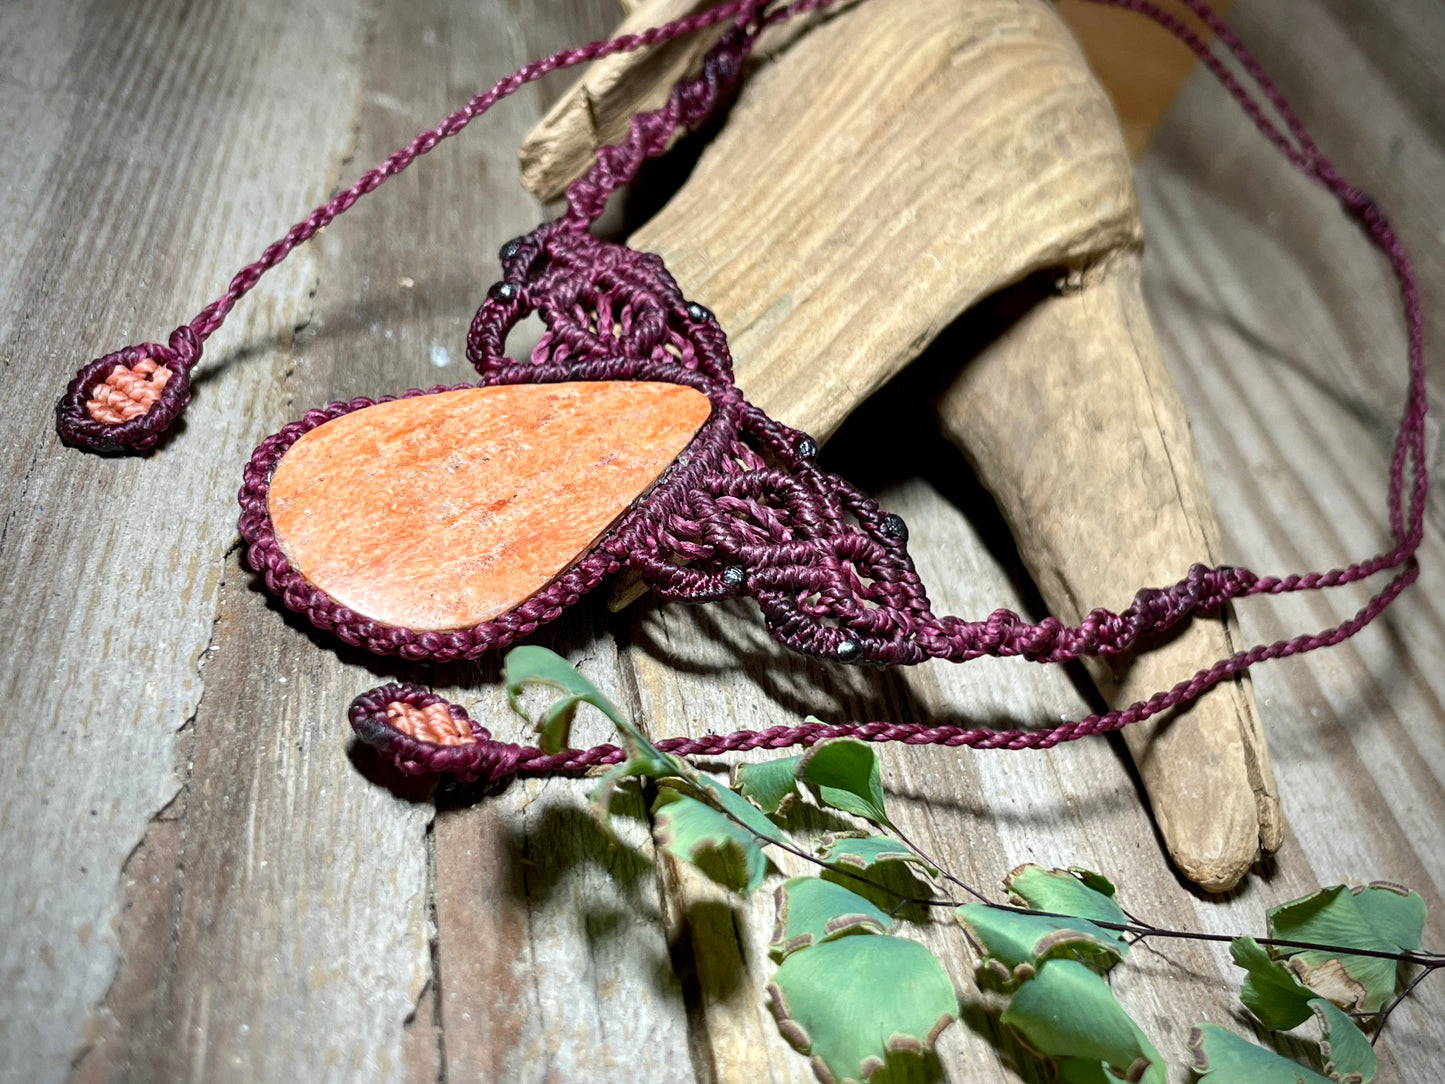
[1048, 188]
[550, 963]
[1282, 332]
[556, 957]
[1139, 64]
[1075, 428]
[599, 106]
[1070, 416]
[130, 204]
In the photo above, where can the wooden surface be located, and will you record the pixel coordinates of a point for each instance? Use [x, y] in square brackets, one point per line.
[600, 107]
[1067, 412]
[1140, 65]
[202, 880]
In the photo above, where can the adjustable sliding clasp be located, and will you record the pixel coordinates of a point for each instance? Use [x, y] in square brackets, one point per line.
[125, 401]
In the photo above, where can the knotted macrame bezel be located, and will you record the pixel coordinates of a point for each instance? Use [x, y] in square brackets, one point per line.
[743, 511]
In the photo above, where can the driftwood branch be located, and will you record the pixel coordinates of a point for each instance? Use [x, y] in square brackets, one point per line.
[878, 177]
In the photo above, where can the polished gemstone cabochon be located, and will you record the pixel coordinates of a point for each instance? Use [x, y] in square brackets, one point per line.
[442, 511]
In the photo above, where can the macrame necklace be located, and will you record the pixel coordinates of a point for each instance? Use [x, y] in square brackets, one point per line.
[733, 505]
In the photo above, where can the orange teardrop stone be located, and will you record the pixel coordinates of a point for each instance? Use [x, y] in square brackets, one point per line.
[442, 511]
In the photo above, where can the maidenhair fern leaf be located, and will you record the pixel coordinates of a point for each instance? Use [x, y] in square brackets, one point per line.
[769, 785]
[1066, 1010]
[1334, 916]
[1222, 1057]
[695, 832]
[845, 775]
[865, 852]
[1066, 892]
[1270, 990]
[1013, 944]
[812, 910]
[532, 665]
[1349, 1057]
[848, 1003]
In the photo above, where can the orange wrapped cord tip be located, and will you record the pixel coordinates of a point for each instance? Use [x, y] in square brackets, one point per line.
[127, 392]
[433, 723]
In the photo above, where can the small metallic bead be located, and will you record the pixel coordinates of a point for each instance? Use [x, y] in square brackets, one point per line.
[509, 249]
[894, 527]
[503, 291]
[848, 649]
[807, 448]
[733, 576]
[697, 313]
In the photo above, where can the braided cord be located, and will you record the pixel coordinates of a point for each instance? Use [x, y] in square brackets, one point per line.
[753, 515]
[781, 566]
[205, 323]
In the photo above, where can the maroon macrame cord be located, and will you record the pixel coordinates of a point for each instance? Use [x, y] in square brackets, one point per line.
[775, 528]
[183, 349]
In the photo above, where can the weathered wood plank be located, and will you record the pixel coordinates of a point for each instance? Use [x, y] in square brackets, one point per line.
[1079, 435]
[1386, 134]
[275, 927]
[930, 245]
[598, 108]
[1284, 338]
[979, 814]
[550, 959]
[1346, 836]
[301, 910]
[548, 966]
[134, 148]
[1025, 173]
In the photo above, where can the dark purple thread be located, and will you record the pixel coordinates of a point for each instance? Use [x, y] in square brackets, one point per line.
[745, 511]
[140, 434]
[902, 627]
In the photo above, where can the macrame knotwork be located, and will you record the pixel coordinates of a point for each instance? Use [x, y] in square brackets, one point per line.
[128, 399]
[744, 510]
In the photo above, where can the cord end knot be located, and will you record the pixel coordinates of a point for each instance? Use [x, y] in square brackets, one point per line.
[125, 401]
[425, 734]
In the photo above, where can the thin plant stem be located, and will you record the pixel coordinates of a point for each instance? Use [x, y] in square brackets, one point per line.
[975, 893]
[1384, 1015]
[1135, 928]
